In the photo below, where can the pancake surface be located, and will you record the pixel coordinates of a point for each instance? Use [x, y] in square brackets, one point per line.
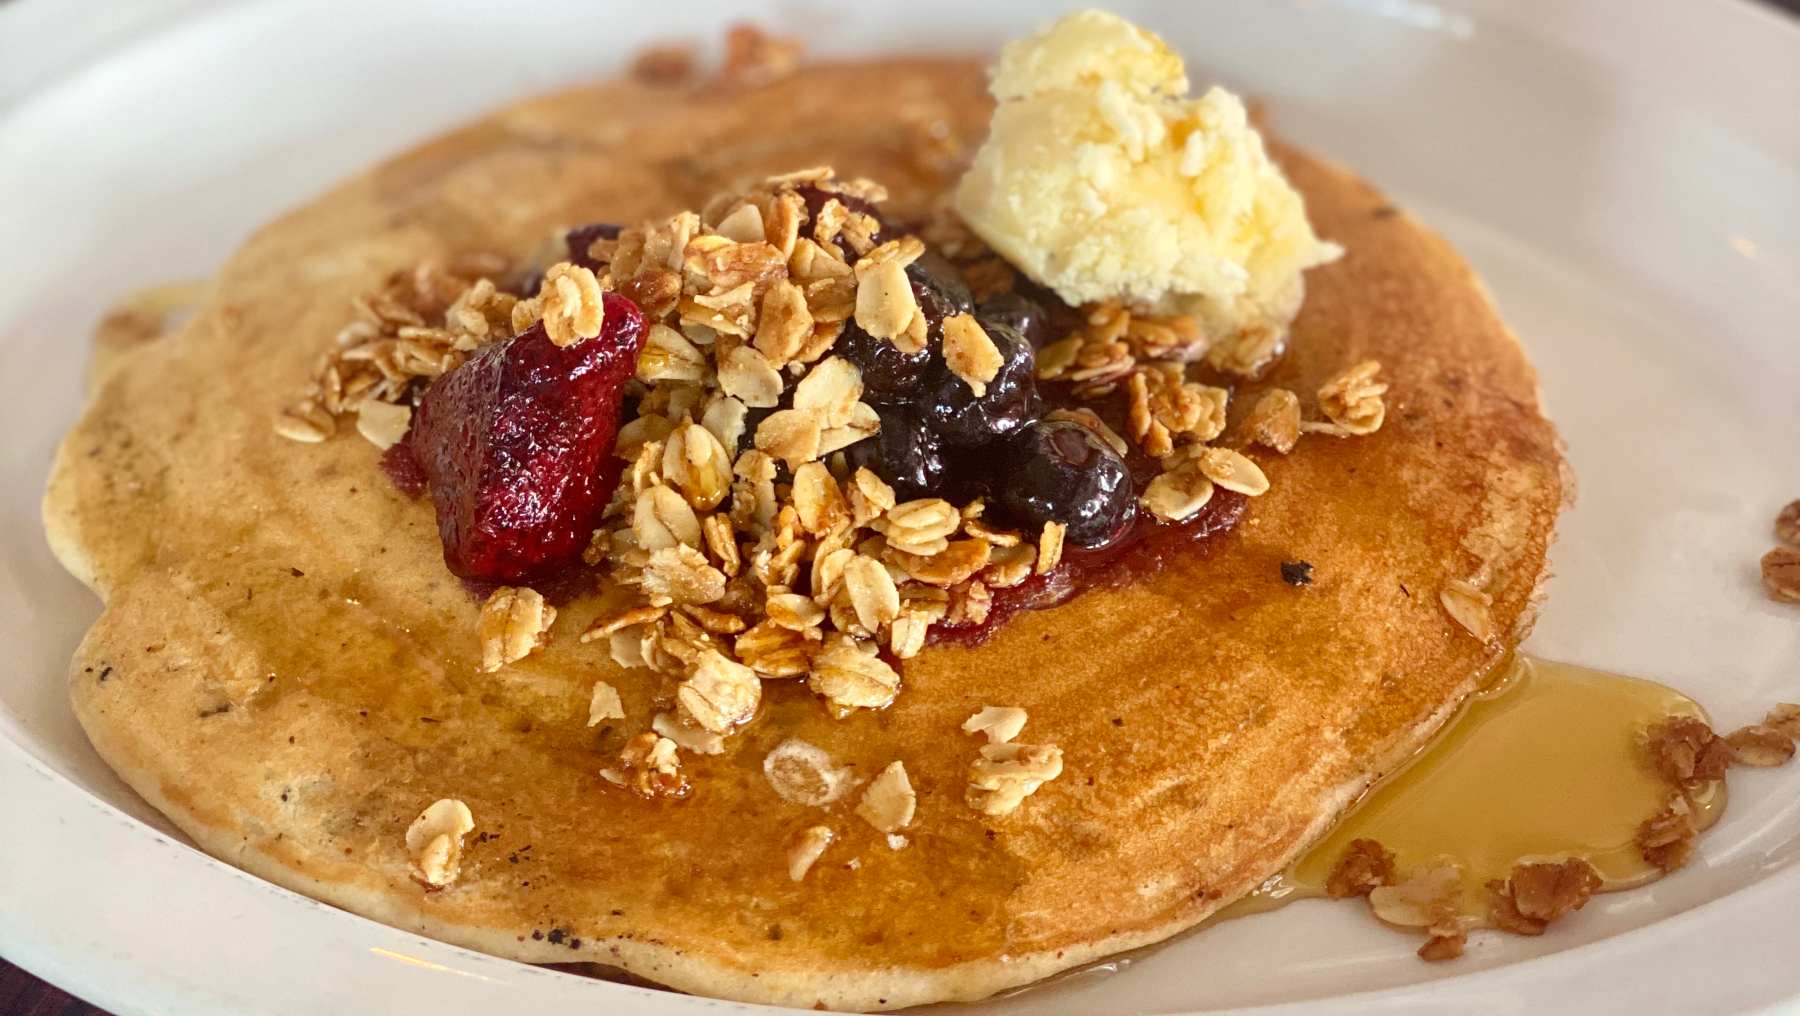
[287, 670]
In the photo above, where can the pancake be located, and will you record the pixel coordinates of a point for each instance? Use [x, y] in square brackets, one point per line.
[285, 668]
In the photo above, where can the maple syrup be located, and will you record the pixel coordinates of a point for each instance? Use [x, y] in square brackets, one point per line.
[1548, 762]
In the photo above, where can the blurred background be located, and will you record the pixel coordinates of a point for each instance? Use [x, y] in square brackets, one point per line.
[42, 38]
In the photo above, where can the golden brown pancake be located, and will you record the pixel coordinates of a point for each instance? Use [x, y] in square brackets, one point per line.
[286, 669]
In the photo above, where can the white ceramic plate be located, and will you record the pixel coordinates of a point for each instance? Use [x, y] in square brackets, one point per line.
[1626, 175]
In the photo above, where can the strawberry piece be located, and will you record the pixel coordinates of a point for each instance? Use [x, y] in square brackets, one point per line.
[516, 445]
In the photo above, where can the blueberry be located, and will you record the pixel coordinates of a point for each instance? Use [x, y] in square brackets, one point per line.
[525, 283]
[753, 419]
[940, 290]
[893, 377]
[1024, 314]
[889, 376]
[1058, 471]
[1011, 400]
[580, 239]
[905, 453]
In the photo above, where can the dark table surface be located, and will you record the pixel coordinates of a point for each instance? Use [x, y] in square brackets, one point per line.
[24, 995]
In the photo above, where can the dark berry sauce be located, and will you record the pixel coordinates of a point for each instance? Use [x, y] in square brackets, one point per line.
[1146, 546]
[558, 588]
[402, 467]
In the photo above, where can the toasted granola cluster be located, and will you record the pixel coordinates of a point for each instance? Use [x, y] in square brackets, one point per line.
[1688, 756]
[1174, 419]
[1781, 565]
[419, 326]
[1430, 897]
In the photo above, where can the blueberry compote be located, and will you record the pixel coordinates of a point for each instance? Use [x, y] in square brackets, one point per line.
[939, 439]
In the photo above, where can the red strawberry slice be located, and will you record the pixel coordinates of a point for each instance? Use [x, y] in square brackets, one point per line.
[517, 443]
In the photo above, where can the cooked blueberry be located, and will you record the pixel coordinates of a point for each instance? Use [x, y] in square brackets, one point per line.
[940, 290]
[905, 453]
[1011, 400]
[1058, 471]
[581, 238]
[753, 419]
[1024, 314]
[889, 376]
[525, 283]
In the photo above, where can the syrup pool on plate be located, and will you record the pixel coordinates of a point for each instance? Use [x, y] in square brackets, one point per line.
[1546, 763]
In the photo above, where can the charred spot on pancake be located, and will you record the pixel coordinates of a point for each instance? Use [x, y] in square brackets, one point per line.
[1297, 573]
[1385, 212]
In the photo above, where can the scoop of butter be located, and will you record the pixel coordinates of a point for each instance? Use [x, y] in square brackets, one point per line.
[1102, 180]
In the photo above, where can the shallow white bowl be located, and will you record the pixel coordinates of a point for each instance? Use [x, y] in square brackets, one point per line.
[1626, 175]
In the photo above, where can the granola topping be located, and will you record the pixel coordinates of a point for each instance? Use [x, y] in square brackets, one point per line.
[1352, 402]
[1469, 606]
[1787, 524]
[757, 535]
[807, 849]
[1759, 746]
[435, 841]
[888, 803]
[514, 623]
[1686, 753]
[604, 704]
[1365, 867]
[1274, 420]
[1784, 717]
[1536, 894]
[999, 724]
[686, 736]
[1426, 899]
[1666, 839]
[650, 765]
[1781, 574]
[1006, 774]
